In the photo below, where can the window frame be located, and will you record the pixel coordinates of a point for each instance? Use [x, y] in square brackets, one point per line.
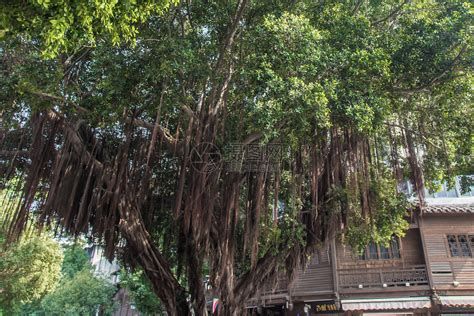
[365, 256]
[470, 244]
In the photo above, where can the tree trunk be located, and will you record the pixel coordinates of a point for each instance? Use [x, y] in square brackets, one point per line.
[147, 256]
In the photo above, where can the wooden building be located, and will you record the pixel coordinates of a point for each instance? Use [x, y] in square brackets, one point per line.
[430, 271]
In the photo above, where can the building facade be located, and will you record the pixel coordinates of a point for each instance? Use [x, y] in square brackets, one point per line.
[109, 270]
[430, 271]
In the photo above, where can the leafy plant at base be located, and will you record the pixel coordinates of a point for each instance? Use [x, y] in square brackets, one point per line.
[28, 270]
[83, 294]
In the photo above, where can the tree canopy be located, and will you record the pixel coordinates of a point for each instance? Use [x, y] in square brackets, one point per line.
[78, 291]
[75, 260]
[28, 271]
[82, 294]
[141, 293]
[61, 26]
[233, 138]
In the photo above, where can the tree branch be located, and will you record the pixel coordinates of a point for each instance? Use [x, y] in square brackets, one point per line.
[253, 137]
[228, 43]
[413, 132]
[254, 279]
[44, 95]
[435, 80]
[172, 144]
[391, 14]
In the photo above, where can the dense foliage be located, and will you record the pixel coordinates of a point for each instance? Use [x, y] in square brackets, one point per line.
[60, 25]
[75, 260]
[83, 294]
[360, 96]
[141, 293]
[77, 292]
[28, 270]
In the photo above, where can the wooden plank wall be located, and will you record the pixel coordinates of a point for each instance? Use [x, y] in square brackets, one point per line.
[412, 248]
[317, 277]
[445, 269]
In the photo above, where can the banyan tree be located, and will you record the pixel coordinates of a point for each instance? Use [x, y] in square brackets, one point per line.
[229, 140]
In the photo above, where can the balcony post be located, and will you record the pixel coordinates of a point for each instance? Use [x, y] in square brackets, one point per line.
[425, 251]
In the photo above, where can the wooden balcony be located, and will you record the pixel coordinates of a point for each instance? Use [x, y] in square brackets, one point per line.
[382, 277]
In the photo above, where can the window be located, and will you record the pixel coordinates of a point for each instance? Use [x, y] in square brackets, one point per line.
[453, 246]
[375, 251]
[384, 252]
[465, 249]
[461, 245]
[395, 247]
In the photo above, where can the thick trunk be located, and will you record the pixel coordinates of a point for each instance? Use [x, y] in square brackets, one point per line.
[196, 286]
[147, 256]
[233, 304]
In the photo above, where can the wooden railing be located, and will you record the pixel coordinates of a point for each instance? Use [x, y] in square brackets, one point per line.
[277, 288]
[383, 277]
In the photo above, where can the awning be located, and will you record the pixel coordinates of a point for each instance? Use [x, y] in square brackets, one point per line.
[386, 303]
[457, 301]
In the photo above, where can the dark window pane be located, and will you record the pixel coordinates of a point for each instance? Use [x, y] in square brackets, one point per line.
[453, 246]
[373, 251]
[395, 247]
[471, 241]
[464, 244]
[384, 252]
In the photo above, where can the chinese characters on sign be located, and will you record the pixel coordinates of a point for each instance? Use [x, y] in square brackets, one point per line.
[236, 157]
[253, 157]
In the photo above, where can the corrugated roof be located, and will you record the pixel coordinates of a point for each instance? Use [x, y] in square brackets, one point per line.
[457, 301]
[449, 209]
